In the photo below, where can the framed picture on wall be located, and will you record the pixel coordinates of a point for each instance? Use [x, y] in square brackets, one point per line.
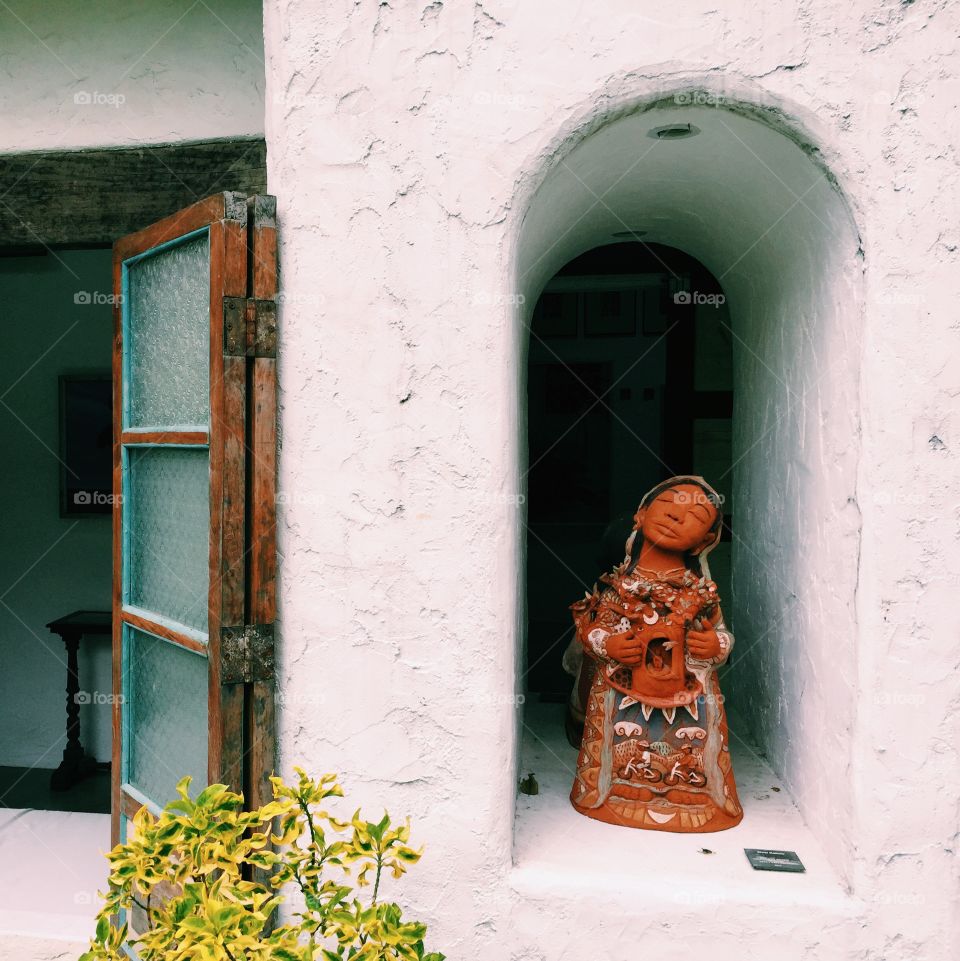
[610, 313]
[86, 444]
[555, 314]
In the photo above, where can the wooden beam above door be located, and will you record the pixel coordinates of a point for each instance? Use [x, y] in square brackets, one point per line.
[76, 198]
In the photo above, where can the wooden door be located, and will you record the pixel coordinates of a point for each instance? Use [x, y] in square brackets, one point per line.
[194, 450]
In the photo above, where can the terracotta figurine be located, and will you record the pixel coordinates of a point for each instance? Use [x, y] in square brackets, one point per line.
[655, 749]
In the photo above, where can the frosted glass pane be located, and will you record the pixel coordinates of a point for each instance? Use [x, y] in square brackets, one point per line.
[168, 337]
[166, 690]
[168, 520]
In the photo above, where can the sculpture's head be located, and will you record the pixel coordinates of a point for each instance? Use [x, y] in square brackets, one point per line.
[682, 515]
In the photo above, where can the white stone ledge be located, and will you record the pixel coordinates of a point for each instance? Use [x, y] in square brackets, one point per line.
[56, 866]
[588, 875]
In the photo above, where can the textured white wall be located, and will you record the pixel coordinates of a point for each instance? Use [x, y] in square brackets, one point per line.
[101, 74]
[405, 143]
[797, 549]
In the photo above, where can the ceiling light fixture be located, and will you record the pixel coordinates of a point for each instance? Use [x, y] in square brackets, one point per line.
[674, 131]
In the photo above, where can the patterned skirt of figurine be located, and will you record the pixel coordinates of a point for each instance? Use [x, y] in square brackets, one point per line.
[663, 769]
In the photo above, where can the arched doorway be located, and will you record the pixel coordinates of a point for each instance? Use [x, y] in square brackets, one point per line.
[629, 381]
[746, 196]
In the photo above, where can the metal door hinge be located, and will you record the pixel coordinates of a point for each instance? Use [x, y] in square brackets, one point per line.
[246, 653]
[261, 328]
[249, 327]
[234, 326]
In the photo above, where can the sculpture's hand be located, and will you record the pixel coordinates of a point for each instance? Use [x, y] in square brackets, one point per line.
[704, 645]
[625, 648]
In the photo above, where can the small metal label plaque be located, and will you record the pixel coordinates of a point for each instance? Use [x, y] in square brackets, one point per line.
[764, 860]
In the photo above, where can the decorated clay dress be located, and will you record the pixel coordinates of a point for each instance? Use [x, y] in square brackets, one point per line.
[655, 749]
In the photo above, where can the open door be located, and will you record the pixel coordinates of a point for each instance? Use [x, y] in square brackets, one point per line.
[194, 448]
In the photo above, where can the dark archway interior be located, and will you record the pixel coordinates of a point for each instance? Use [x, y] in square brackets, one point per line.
[629, 382]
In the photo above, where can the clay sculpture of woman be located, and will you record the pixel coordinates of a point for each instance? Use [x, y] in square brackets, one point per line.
[655, 749]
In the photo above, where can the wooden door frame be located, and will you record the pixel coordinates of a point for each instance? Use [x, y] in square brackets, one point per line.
[262, 413]
[241, 441]
[90, 197]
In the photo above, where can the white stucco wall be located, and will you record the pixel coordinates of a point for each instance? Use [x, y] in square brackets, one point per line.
[406, 147]
[405, 143]
[103, 74]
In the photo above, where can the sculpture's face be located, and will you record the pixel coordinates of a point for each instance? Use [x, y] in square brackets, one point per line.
[679, 519]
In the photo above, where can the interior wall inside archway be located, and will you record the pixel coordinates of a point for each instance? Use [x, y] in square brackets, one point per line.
[763, 217]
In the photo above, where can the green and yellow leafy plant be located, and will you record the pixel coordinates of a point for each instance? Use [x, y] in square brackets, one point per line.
[203, 879]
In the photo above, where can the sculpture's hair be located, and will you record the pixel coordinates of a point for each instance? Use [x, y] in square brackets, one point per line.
[694, 562]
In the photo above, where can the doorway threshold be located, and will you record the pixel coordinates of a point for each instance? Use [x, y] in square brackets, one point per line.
[55, 868]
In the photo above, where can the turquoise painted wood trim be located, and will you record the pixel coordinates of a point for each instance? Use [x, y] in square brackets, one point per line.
[128, 951]
[125, 504]
[127, 521]
[141, 798]
[200, 637]
[166, 245]
[126, 705]
[125, 347]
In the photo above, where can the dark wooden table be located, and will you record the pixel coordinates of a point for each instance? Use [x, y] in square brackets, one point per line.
[76, 763]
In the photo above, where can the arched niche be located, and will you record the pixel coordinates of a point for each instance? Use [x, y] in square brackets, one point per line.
[748, 197]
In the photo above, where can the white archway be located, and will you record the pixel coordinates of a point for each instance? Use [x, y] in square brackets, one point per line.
[747, 196]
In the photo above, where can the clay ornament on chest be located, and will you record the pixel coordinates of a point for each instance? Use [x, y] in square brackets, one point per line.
[655, 749]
